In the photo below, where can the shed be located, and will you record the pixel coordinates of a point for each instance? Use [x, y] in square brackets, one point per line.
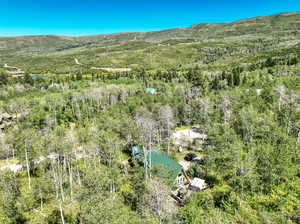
[197, 184]
[151, 90]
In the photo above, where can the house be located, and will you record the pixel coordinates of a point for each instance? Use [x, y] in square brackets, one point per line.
[161, 165]
[151, 91]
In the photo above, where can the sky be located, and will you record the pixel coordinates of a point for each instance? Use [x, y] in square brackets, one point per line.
[87, 17]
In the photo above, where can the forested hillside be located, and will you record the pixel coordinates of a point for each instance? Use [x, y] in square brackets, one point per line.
[196, 45]
[69, 122]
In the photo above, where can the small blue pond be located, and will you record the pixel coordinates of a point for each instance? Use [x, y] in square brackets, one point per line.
[38, 76]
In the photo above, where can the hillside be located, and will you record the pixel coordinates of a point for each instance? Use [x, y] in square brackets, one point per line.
[198, 45]
[280, 27]
[197, 125]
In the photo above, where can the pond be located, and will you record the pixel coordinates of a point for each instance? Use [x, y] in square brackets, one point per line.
[38, 76]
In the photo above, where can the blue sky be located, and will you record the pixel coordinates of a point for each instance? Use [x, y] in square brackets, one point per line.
[85, 17]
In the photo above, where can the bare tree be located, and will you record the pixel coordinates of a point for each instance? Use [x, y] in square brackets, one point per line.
[77, 99]
[147, 125]
[6, 150]
[204, 105]
[159, 201]
[280, 91]
[27, 161]
[288, 100]
[19, 108]
[188, 113]
[224, 106]
[166, 119]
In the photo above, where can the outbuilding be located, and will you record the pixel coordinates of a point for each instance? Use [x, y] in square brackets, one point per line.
[151, 91]
[197, 184]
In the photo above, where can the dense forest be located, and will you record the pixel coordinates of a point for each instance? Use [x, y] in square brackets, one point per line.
[66, 134]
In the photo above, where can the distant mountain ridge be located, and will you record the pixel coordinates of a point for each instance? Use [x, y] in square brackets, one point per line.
[203, 45]
[282, 25]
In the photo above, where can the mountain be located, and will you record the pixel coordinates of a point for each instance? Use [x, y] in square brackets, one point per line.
[132, 49]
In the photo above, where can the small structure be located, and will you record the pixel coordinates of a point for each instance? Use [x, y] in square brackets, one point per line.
[17, 73]
[151, 91]
[14, 71]
[197, 184]
[113, 69]
[135, 150]
[184, 192]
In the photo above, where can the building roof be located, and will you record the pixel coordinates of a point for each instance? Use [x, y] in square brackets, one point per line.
[198, 183]
[150, 90]
[159, 162]
[135, 150]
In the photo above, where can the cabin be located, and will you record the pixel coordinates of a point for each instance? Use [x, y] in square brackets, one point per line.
[151, 91]
[161, 165]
